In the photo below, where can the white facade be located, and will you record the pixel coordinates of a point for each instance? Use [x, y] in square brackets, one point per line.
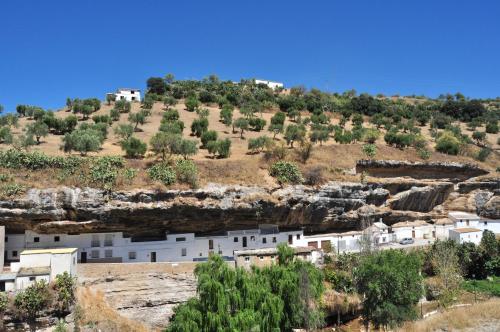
[462, 235]
[2, 247]
[128, 94]
[464, 219]
[114, 247]
[418, 229]
[338, 242]
[271, 84]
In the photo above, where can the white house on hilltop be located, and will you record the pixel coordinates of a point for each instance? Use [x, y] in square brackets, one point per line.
[127, 94]
[271, 84]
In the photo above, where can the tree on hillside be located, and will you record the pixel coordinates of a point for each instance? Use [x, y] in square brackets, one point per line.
[226, 115]
[4, 302]
[199, 126]
[479, 136]
[136, 119]
[391, 285]
[123, 106]
[164, 144]
[38, 129]
[83, 141]
[110, 97]
[192, 104]
[294, 133]
[156, 85]
[123, 131]
[31, 301]
[133, 147]
[242, 125]
[64, 287]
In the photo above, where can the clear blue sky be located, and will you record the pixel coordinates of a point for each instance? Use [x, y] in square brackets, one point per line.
[50, 50]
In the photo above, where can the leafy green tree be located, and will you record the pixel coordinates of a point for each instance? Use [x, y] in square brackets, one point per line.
[294, 133]
[222, 148]
[134, 147]
[174, 127]
[4, 302]
[286, 172]
[156, 85]
[114, 114]
[446, 266]
[110, 97]
[207, 136]
[258, 144]
[6, 136]
[123, 131]
[370, 150]
[391, 285]
[187, 172]
[489, 244]
[187, 148]
[199, 126]
[257, 124]
[64, 287]
[371, 135]
[38, 129]
[321, 134]
[137, 118]
[492, 127]
[123, 106]
[170, 115]
[226, 115]
[242, 124]
[479, 136]
[192, 104]
[83, 141]
[32, 301]
[164, 144]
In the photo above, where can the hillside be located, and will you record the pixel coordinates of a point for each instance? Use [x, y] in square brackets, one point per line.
[243, 167]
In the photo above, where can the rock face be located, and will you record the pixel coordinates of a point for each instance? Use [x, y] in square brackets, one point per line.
[336, 206]
[451, 171]
[421, 199]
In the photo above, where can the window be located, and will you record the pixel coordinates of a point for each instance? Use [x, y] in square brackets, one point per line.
[57, 239]
[108, 253]
[132, 255]
[14, 253]
[210, 244]
[95, 254]
[264, 240]
[247, 259]
[183, 252]
[298, 236]
[6, 239]
[274, 239]
[32, 278]
[108, 240]
[235, 239]
[272, 257]
[485, 224]
[252, 238]
[261, 258]
[95, 241]
[36, 239]
[180, 239]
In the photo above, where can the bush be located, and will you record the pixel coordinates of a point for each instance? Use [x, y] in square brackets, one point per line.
[114, 114]
[104, 171]
[370, 150]
[199, 126]
[163, 173]
[170, 115]
[101, 118]
[134, 147]
[314, 176]
[83, 141]
[258, 144]
[448, 143]
[483, 154]
[173, 127]
[305, 151]
[221, 148]
[423, 153]
[492, 127]
[286, 172]
[257, 124]
[371, 135]
[123, 131]
[207, 136]
[187, 172]
[10, 190]
[192, 104]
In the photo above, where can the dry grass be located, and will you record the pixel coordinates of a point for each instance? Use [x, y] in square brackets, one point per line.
[97, 313]
[458, 318]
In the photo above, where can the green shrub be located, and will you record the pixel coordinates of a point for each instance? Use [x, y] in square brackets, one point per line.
[207, 136]
[371, 135]
[4, 177]
[9, 190]
[448, 143]
[199, 126]
[286, 172]
[258, 144]
[369, 150]
[221, 148]
[173, 127]
[134, 147]
[257, 124]
[483, 154]
[492, 127]
[129, 174]
[102, 119]
[423, 153]
[104, 171]
[187, 172]
[114, 114]
[163, 173]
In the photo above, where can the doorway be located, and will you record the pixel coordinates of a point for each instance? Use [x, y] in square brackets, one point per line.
[83, 257]
[244, 242]
[413, 234]
[153, 257]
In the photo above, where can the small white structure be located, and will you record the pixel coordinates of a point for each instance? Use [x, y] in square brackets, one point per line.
[489, 224]
[271, 84]
[461, 235]
[380, 233]
[464, 219]
[337, 242]
[268, 256]
[442, 228]
[418, 229]
[39, 264]
[127, 94]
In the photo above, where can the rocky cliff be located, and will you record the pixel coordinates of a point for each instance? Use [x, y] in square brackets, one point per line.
[335, 206]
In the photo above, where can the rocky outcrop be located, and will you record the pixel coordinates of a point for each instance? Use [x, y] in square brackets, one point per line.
[421, 199]
[490, 185]
[335, 206]
[451, 171]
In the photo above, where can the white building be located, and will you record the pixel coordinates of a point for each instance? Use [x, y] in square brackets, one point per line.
[463, 219]
[461, 235]
[116, 248]
[271, 84]
[268, 256]
[127, 94]
[39, 264]
[418, 229]
[2, 247]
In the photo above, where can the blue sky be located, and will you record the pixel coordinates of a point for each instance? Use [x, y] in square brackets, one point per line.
[50, 50]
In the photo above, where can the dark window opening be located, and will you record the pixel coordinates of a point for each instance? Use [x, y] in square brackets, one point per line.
[57, 239]
[36, 239]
